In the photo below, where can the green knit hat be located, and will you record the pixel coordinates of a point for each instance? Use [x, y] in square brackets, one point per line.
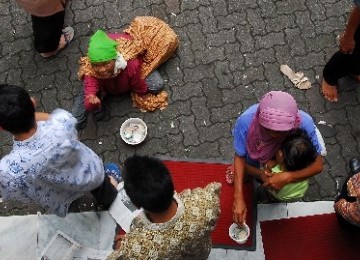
[101, 47]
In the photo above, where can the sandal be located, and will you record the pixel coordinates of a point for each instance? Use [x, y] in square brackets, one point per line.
[68, 33]
[229, 175]
[112, 170]
[298, 78]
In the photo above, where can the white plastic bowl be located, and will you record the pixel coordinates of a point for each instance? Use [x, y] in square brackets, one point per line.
[133, 131]
[234, 229]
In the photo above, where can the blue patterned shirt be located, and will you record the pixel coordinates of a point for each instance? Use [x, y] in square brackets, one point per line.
[52, 168]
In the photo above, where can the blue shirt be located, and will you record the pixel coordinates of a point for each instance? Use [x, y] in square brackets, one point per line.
[51, 168]
[357, 3]
[240, 132]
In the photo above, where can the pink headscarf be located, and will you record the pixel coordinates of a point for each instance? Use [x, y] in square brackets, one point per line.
[277, 111]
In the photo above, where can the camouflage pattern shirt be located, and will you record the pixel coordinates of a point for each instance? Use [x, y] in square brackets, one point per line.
[186, 236]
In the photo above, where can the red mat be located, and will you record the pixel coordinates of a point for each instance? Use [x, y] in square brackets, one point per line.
[311, 237]
[199, 174]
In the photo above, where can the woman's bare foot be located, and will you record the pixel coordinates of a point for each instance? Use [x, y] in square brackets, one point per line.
[329, 91]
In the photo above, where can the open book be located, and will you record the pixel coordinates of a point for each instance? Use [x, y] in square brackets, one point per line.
[122, 209]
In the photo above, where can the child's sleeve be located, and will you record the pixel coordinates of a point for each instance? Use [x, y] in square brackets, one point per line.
[91, 87]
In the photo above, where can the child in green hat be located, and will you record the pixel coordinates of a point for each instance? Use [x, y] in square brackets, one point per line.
[109, 73]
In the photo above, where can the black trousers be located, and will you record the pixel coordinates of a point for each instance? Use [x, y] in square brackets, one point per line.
[105, 194]
[341, 64]
[47, 31]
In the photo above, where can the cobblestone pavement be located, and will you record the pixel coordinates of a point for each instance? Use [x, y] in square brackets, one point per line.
[229, 56]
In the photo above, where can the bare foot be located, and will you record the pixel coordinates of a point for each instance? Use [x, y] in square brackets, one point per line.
[113, 181]
[329, 91]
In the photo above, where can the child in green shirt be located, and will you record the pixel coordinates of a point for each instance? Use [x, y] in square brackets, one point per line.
[296, 153]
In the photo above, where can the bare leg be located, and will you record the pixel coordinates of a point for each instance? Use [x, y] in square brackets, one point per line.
[330, 92]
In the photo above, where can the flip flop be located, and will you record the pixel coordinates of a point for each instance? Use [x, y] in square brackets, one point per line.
[298, 78]
[68, 33]
[326, 130]
[111, 169]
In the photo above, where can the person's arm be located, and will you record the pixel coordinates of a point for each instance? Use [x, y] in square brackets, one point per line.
[91, 88]
[348, 210]
[239, 206]
[259, 173]
[41, 116]
[277, 181]
[240, 167]
[347, 42]
[118, 240]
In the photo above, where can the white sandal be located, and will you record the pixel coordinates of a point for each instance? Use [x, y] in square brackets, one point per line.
[298, 78]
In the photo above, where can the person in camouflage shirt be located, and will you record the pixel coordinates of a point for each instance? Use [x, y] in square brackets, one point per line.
[171, 226]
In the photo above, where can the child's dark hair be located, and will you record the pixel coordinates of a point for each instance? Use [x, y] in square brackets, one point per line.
[17, 112]
[148, 183]
[298, 151]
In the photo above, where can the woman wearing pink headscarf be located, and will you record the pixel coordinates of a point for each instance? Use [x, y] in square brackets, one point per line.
[258, 134]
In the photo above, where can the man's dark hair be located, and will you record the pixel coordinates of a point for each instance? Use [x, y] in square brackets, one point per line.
[17, 112]
[298, 151]
[148, 183]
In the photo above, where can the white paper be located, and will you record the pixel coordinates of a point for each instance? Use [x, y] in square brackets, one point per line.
[122, 209]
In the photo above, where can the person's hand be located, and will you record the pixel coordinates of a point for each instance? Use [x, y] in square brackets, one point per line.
[346, 43]
[33, 100]
[276, 181]
[93, 99]
[239, 211]
[118, 241]
[269, 165]
[265, 175]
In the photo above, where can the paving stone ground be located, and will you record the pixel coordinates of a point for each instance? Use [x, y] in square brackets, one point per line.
[229, 56]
